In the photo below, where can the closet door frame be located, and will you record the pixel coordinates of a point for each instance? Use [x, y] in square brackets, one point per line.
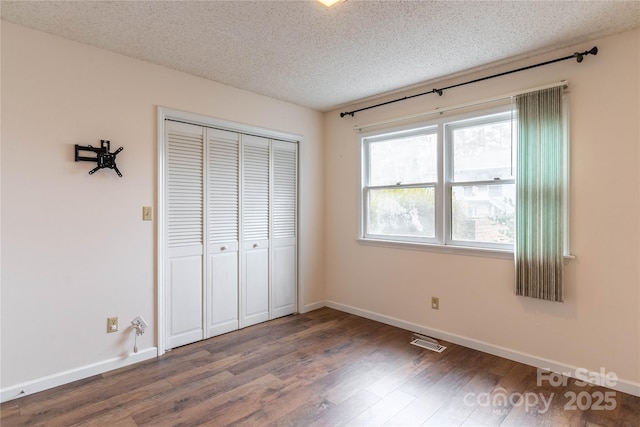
[163, 114]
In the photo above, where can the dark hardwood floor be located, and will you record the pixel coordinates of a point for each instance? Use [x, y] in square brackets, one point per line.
[323, 368]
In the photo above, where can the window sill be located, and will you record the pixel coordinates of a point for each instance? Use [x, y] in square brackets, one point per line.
[448, 249]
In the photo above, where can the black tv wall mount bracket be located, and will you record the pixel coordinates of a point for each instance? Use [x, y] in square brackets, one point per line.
[104, 158]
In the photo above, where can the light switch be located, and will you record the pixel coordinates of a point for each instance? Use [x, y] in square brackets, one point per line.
[147, 213]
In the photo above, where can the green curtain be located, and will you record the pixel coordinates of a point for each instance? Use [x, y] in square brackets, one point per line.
[539, 195]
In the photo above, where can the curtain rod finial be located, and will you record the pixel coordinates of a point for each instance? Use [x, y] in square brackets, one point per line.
[580, 55]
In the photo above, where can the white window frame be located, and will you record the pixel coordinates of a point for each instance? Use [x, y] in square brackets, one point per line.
[365, 189]
[482, 117]
[442, 241]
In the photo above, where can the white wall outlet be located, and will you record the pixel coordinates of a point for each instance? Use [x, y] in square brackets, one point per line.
[435, 303]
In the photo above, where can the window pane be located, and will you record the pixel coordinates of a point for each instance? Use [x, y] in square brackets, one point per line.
[482, 152]
[409, 160]
[402, 212]
[483, 213]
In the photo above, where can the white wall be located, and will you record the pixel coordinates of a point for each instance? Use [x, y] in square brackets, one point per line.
[74, 247]
[598, 325]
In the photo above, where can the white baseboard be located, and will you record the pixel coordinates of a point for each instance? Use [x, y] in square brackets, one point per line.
[621, 385]
[45, 383]
[313, 306]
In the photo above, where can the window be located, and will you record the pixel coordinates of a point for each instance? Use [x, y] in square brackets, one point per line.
[402, 174]
[480, 181]
[450, 182]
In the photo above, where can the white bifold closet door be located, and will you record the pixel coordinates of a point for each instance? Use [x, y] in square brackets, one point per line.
[230, 226]
[184, 233]
[283, 228]
[254, 253]
[223, 207]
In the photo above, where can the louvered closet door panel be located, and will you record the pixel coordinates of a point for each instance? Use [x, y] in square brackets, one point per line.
[254, 280]
[255, 188]
[284, 228]
[183, 228]
[223, 199]
[222, 231]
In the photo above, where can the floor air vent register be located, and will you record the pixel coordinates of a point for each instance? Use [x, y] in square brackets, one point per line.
[427, 342]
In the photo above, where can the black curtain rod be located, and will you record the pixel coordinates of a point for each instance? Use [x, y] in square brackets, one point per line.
[578, 55]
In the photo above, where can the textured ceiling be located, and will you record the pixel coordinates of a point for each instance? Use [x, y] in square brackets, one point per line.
[304, 53]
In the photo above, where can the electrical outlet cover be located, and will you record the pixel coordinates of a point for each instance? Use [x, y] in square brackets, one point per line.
[112, 324]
